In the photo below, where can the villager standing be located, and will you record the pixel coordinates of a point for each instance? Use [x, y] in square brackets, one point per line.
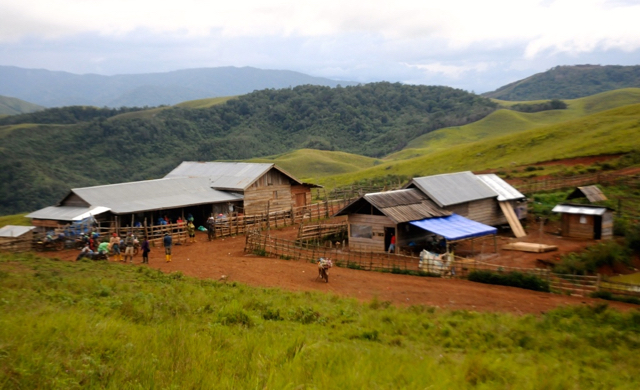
[392, 246]
[145, 251]
[191, 228]
[167, 241]
[211, 224]
[114, 243]
[129, 243]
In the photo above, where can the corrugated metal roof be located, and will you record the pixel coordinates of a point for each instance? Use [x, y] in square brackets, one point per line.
[577, 209]
[504, 190]
[592, 193]
[405, 205]
[226, 175]
[14, 230]
[59, 213]
[154, 194]
[453, 188]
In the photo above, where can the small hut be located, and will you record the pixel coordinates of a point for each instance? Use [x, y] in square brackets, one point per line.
[585, 221]
[592, 193]
[16, 238]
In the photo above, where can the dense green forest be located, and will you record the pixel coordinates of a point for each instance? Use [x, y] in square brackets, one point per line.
[43, 157]
[570, 82]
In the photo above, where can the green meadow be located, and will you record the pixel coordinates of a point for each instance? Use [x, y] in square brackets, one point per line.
[104, 325]
[507, 138]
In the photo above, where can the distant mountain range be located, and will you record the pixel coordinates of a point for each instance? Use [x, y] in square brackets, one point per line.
[57, 89]
[570, 82]
[13, 106]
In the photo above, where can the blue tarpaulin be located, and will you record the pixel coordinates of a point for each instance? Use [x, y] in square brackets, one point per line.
[455, 227]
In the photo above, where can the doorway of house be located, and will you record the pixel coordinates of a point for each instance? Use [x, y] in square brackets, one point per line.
[388, 233]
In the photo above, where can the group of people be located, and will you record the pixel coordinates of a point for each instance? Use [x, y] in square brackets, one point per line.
[114, 245]
[95, 248]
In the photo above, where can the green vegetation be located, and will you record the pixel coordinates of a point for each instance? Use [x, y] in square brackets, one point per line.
[104, 325]
[17, 219]
[66, 115]
[41, 163]
[609, 132]
[611, 297]
[312, 164]
[512, 279]
[537, 107]
[13, 106]
[204, 103]
[570, 82]
[607, 253]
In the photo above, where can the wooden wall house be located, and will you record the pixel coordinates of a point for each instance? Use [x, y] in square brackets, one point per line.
[373, 218]
[265, 187]
[193, 188]
[586, 221]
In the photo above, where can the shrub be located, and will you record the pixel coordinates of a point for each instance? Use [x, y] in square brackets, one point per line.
[619, 298]
[595, 256]
[512, 279]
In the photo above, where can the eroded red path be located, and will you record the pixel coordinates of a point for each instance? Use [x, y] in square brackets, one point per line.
[212, 260]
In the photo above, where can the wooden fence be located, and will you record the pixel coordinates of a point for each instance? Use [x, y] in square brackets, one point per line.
[577, 285]
[318, 231]
[532, 185]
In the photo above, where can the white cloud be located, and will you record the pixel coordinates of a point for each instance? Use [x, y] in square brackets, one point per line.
[422, 42]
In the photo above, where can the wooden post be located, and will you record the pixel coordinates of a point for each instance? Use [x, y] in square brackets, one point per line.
[598, 282]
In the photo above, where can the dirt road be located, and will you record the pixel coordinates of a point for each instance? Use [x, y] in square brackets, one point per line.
[214, 259]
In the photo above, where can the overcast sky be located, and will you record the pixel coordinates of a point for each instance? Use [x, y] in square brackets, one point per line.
[475, 45]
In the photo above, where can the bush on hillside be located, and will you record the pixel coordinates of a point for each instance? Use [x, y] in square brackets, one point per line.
[511, 279]
[607, 253]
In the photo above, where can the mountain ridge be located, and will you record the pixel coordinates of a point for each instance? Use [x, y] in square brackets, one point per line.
[58, 88]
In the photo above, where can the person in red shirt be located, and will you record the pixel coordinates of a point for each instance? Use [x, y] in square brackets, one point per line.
[392, 246]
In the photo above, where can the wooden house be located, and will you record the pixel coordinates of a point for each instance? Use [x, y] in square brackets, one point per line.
[409, 215]
[586, 221]
[264, 187]
[374, 218]
[193, 188]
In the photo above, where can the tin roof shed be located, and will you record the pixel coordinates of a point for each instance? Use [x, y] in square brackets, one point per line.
[453, 188]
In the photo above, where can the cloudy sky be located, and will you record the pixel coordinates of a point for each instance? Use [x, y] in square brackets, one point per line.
[475, 45]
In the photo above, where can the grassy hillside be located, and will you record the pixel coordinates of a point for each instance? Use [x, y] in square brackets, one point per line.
[13, 106]
[106, 325]
[570, 82]
[17, 219]
[503, 122]
[204, 103]
[312, 164]
[609, 132]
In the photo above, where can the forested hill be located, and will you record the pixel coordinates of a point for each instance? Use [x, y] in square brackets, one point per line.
[41, 162]
[570, 82]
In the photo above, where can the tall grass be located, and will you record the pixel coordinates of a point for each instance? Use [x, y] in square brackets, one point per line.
[97, 324]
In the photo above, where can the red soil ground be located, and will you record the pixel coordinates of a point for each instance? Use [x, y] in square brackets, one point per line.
[212, 260]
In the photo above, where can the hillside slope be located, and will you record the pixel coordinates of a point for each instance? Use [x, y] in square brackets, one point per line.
[13, 106]
[610, 132]
[43, 158]
[570, 82]
[504, 121]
